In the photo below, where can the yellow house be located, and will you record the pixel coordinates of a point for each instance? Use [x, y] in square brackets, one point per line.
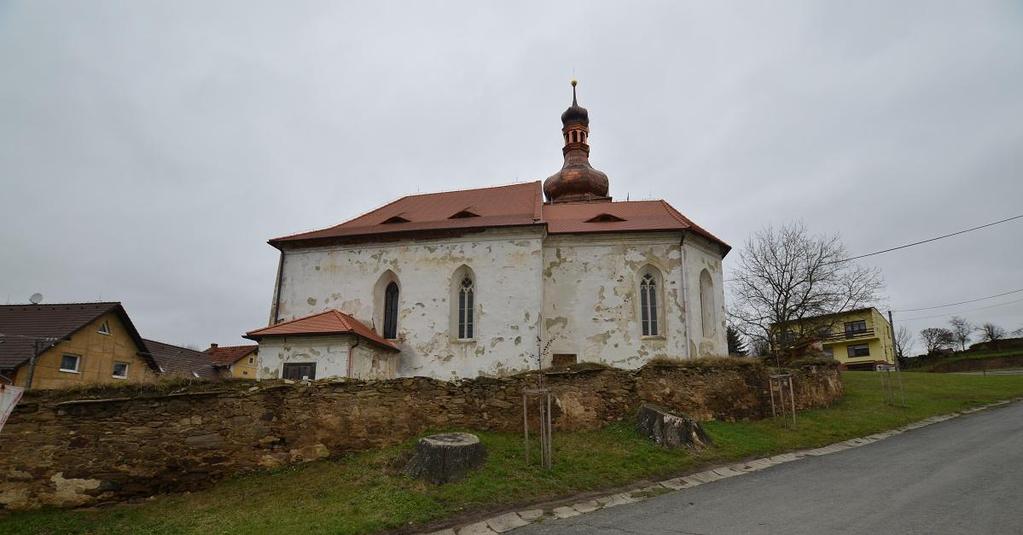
[73, 344]
[858, 339]
[239, 362]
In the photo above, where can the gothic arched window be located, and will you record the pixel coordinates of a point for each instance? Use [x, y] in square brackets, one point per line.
[466, 319]
[648, 305]
[391, 311]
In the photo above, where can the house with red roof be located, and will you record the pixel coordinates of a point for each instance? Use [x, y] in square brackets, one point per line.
[238, 362]
[481, 281]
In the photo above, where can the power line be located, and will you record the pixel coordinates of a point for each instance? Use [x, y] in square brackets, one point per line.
[963, 311]
[921, 242]
[960, 302]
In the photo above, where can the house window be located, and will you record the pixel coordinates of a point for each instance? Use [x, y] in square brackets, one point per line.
[859, 350]
[855, 327]
[120, 370]
[391, 311]
[466, 326]
[252, 360]
[104, 328]
[648, 305]
[70, 363]
[298, 371]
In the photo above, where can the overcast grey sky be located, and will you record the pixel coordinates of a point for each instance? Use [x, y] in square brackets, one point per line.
[149, 149]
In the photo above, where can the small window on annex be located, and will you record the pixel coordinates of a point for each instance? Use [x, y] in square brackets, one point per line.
[70, 363]
[859, 350]
[120, 370]
[649, 303]
[298, 371]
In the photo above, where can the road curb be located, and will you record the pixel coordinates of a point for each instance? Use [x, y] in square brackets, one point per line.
[513, 520]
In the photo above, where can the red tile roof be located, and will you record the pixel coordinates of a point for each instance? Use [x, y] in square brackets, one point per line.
[500, 206]
[228, 355]
[328, 322]
[20, 324]
[503, 206]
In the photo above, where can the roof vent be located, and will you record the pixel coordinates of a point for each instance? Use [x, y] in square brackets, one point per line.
[464, 214]
[604, 218]
[395, 219]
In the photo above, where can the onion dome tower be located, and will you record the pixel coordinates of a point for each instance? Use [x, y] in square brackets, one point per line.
[577, 180]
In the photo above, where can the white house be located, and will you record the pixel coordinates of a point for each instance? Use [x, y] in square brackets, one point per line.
[465, 283]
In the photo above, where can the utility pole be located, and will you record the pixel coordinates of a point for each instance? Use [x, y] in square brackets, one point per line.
[898, 367]
[39, 344]
[32, 364]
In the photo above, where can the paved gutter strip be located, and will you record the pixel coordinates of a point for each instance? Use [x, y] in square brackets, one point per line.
[510, 521]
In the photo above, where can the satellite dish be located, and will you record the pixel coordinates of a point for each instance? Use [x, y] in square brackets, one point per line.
[36, 298]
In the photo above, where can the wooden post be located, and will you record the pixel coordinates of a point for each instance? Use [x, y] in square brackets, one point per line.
[525, 422]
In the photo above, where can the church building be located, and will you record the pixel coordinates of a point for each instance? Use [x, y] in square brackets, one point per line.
[478, 282]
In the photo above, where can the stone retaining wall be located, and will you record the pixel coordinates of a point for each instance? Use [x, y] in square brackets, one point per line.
[68, 449]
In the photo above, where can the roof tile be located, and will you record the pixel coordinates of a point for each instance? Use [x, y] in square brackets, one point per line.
[327, 322]
[502, 206]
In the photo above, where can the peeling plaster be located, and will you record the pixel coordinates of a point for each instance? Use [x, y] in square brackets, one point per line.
[583, 287]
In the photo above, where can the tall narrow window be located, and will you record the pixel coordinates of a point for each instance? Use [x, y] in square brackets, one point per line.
[465, 310]
[648, 305]
[391, 311]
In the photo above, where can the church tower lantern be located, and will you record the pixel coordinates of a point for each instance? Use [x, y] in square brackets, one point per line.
[577, 180]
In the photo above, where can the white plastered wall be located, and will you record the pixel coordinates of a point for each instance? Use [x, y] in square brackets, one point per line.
[591, 297]
[335, 356]
[507, 267]
[330, 353]
[701, 254]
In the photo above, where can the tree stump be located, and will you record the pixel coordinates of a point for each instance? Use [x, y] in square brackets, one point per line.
[445, 458]
[670, 430]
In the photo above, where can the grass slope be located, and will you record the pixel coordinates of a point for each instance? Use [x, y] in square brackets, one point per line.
[363, 494]
[971, 361]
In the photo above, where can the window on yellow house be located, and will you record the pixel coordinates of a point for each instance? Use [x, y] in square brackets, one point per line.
[104, 328]
[855, 327]
[859, 350]
[70, 363]
[120, 370]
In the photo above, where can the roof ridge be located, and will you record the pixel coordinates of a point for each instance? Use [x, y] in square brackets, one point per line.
[39, 305]
[461, 190]
[343, 317]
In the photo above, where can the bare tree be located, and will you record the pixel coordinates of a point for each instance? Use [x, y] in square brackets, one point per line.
[903, 341]
[786, 275]
[961, 330]
[989, 332]
[937, 338]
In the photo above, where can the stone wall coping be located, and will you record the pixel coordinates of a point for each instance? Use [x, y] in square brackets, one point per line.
[79, 402]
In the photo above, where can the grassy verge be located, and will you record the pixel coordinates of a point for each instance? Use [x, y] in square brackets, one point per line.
[364, 494]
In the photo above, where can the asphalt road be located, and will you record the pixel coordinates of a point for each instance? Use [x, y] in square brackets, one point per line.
[964, 475]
